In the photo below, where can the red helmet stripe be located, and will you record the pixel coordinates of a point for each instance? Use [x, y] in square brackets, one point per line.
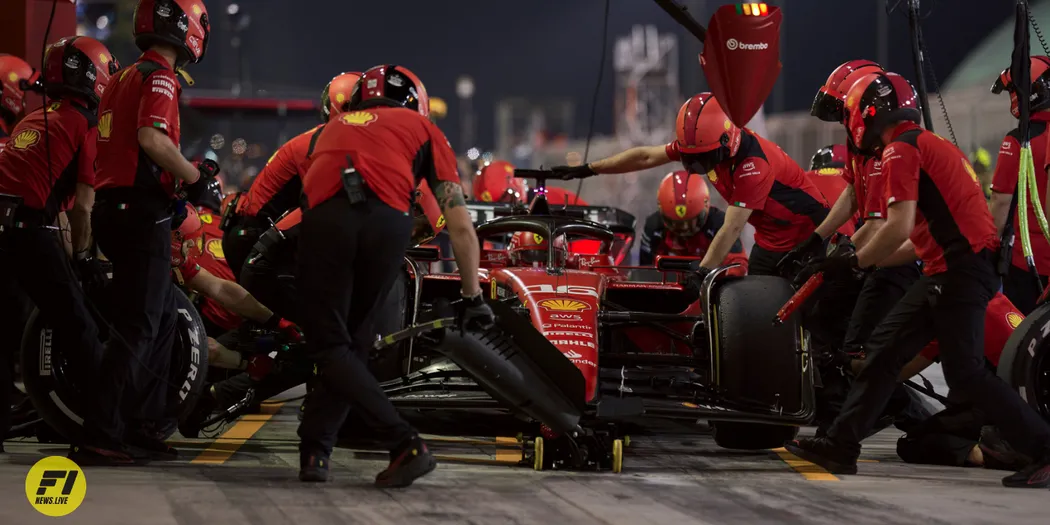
[696, 105]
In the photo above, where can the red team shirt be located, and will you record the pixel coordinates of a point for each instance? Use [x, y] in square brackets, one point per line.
[1007, 166]
[832, 182]
[144, 95]
[952, 218]
[865, 174]
[761, 177]
[24, 162]
[392, 148]
[277, 188]
[207, 254]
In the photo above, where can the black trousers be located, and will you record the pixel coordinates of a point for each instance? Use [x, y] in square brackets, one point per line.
[951, 307]
[237, 243]
[946, 438]
[881, 290]
[1020, 288]
[762, 261]
[142, 311]
[273, 285]
[350, 255]
[33, 264]
[232, 390]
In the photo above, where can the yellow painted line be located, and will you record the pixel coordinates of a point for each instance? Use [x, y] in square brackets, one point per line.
[867, 461]
[505, 454]
[808, 470]
[227, 444]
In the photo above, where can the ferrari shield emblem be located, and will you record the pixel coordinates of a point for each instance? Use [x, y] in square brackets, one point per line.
[486, 196]
[680, 211]
[564, 305]
[492, 288]
[537, 238]
[440, 222]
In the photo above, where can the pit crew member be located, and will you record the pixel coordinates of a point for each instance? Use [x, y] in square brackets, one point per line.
[863, 196]
[686, 223]
[1019, 284]
[276, 189]
[495, 182]
[46, 170]
[137, 168]
[358, 191]
[763, 185]
[827, 169]
[952, 230]
[954, 436]
[13, 71]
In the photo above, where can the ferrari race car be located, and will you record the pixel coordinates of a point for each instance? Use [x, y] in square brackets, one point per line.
[584, 349]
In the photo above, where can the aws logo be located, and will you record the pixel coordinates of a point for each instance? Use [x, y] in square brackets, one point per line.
[564, 305]
[357, 118]
[105, 125]
[25, 139]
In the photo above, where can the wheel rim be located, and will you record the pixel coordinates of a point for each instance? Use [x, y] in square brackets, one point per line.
[1041, 381]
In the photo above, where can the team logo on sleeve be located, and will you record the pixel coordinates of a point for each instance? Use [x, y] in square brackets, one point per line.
[357, 118]
[26, 139]
[1014, 319]
[440, 222]
[105, 125]
[969, 169]
[215, 249]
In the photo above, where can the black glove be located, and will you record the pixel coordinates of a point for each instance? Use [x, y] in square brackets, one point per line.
[573, 172]
[208, 169]
[801, 255]
[695, 278]
[474, 313]
[841, 260]
[92, 276]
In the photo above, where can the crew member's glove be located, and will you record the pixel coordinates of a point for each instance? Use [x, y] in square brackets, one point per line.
[288, 329]
[695, 278]
[800, 255]
[208, 169]
[840, 262]
[573, 172]
[92, 276]
[475, 313]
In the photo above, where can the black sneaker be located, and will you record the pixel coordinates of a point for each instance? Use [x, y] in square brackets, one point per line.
[99, 456]
[313, 466]
[408, 463]
[825, 453]
[998, 454]
[191, 425]
[151, 446]
[1035, 476]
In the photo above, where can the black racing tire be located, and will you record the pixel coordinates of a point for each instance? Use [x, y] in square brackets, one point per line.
[57, 399]
[1025, 361]
[757, 362]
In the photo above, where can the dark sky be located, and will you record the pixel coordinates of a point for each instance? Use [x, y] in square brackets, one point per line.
[551, 48]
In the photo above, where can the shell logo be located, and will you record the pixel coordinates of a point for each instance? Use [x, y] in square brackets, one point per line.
[103, 58]
[105, 125]
[12, 77]
[851, 102]
[440, 222]
[680, 211]
[829, 171]
[25, 139]
[727, 124]
[969, 169]
[486, 196]
[196, 9]
[215, 249]
[357, 118]
[712, 175]
[1014, 319]
[564, 305]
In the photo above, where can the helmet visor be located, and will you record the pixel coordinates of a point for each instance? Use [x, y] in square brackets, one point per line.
[827, 107]
[701, 163]
[684, 227]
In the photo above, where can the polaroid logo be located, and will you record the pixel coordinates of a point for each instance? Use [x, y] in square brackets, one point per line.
[733, 44]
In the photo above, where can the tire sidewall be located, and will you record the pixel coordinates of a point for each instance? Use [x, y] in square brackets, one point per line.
[1028, 340]
[58, 405]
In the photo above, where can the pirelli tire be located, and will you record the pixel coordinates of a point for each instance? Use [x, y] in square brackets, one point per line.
[57, 398]
[757, 362]
[1025, 361]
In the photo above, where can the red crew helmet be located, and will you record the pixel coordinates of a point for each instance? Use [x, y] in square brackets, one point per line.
[684, 202]
[831, 97]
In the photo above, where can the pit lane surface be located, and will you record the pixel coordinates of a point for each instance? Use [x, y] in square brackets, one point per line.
[248, 477]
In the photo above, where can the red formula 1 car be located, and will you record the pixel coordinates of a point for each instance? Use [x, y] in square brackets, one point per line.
[583, 349]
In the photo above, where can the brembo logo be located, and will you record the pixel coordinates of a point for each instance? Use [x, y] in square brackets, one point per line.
[733, 44]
